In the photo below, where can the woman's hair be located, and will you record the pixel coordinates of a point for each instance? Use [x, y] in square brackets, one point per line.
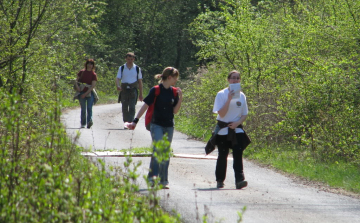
[169, 71]
[233, 71]
[90, 61]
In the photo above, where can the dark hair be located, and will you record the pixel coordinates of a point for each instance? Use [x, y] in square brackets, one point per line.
[130, 54]
[91, 61]
[169, 71]
[233, 71]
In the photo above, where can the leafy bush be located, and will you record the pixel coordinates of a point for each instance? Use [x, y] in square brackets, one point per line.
[299, 64]
[45, 179]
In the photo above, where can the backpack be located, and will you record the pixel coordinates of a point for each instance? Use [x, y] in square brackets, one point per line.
[150, 110]
[137, 78]
[137, 71]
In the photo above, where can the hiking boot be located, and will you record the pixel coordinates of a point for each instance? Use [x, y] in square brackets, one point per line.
[241, 184]
[90, 124]
[220, 184]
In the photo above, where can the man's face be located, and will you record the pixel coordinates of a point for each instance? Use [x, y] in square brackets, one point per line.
[130, 59]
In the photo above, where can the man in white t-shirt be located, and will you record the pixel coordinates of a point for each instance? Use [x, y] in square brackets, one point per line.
[130, 77]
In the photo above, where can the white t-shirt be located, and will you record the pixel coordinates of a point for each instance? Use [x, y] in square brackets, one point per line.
[237, 108]
[128, 75]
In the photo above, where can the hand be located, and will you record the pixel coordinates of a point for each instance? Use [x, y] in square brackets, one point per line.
[231, 94]
[83, 96]
[233, 125]
[118, 88]
[130, 125]
[179, 92]
[141, 97]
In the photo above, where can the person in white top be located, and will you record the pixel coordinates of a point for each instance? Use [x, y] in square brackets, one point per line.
[131, 81]
[232, 112]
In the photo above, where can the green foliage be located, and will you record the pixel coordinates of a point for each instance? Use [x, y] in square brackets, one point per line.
[42, 40]
[45, 179]
[43, 176]
[299, 64]
[196, 114]
[290, 159]
[157, 31]
[162, 149]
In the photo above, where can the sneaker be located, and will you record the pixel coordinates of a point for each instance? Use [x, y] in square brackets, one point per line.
[83, 126]
[241, 184]
[90, 124]
[126, 127]
[220, 184]
[165, 186]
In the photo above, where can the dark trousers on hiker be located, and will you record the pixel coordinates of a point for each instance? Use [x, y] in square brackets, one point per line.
[128, 100]
[223, 148]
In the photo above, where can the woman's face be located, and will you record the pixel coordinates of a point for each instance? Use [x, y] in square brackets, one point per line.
[234, 78]
[89, 66]
[173, 79]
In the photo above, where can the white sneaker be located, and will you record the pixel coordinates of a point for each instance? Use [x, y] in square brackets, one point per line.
[83, 126]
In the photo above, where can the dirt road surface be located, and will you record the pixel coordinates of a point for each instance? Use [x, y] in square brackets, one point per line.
[270, 196]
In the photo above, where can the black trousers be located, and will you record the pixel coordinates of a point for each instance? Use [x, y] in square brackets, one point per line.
[223, 148]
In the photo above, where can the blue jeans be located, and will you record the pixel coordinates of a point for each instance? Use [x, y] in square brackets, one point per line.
[156, 168]
[86, 104]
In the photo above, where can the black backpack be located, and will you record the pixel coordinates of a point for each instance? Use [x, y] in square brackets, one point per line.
[137, 71]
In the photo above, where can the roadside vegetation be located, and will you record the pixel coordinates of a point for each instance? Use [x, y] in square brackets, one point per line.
[299, 62]
[300, 68]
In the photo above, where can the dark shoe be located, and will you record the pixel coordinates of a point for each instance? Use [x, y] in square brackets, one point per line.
[241, 184]
[90, 124]
[220, 184]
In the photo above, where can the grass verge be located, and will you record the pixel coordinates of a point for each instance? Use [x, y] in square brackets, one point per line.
[337, 175]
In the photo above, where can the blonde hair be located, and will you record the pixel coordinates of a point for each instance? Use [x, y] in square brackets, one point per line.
[169, 71]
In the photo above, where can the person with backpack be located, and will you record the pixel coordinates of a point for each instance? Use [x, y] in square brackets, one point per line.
[131, 82]
[232, 110]
[166, 103]
[85, 83]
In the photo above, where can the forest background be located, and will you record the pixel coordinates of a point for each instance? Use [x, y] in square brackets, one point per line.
[299, 63]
